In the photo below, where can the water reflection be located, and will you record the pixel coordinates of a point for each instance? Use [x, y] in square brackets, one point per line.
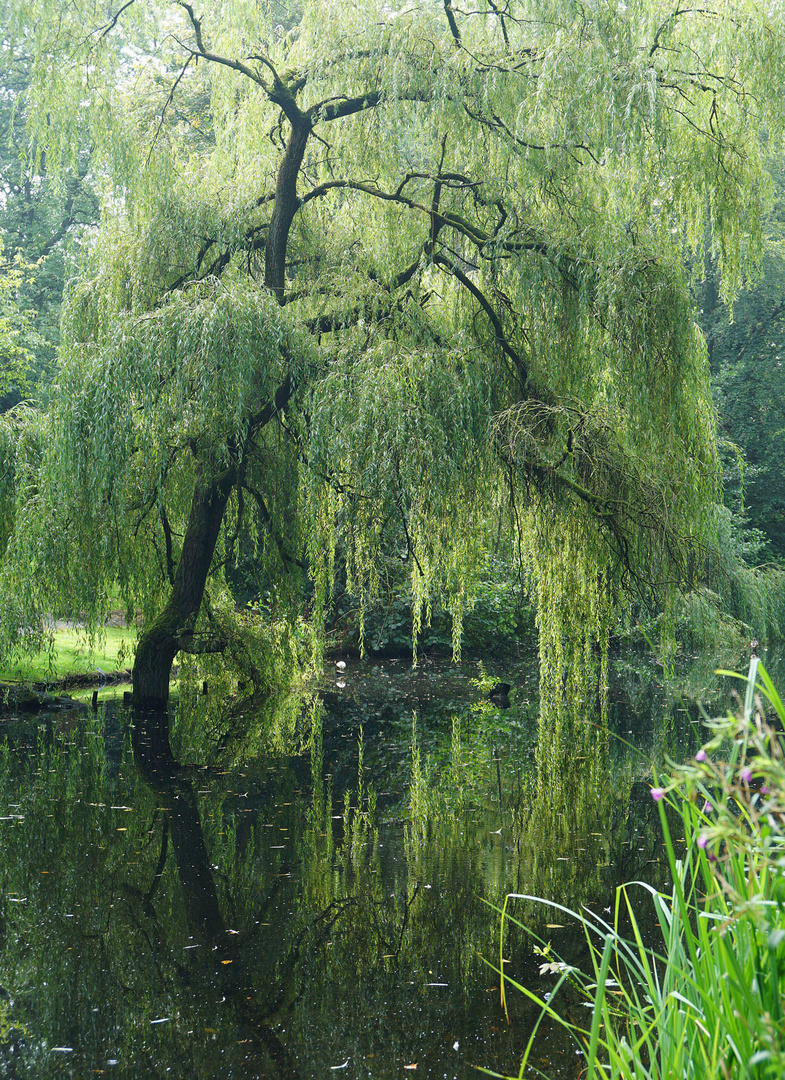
[300, 889]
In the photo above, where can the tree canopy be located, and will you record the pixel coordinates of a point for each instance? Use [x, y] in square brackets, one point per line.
[366, 274]
[40, 213]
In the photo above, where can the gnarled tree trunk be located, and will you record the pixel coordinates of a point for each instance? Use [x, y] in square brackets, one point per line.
[164, 637]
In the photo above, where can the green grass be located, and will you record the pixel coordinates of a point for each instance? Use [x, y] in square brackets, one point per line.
[73, 656]
[706, 1000]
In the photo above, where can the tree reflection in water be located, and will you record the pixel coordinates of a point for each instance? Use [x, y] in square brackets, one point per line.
[218, 952]
[279, 912]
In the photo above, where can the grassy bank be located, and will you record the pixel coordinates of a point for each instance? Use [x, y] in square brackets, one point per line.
[72, 655]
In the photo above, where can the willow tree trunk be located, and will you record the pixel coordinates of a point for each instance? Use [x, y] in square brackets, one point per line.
[164, 637]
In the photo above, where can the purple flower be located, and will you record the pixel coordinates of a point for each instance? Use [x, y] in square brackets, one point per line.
[707, 807]
[764, 790]
[657, 793]
[703, 840]
[701, 755]
[746, 774]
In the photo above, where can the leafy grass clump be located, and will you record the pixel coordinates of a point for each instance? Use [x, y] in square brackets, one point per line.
[706, 999]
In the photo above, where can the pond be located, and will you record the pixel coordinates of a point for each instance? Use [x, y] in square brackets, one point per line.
[311, 891]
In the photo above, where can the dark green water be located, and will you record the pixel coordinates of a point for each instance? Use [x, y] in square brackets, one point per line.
[309, 892]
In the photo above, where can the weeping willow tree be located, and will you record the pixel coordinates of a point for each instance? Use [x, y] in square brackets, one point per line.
[367, 273]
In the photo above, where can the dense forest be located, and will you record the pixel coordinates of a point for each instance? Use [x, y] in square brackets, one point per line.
[305, 299]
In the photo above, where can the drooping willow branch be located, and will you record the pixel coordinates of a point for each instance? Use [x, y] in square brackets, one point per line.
[627, 502]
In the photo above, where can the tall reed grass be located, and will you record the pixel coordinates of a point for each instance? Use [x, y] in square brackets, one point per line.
[703, 996]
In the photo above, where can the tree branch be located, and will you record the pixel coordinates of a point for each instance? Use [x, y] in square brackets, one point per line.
[335, 108]
[167, 103]
[189, 642]
[487, 307]
[281, 399]
[286, 558]
[111, 25]
[214, 58]
[448, 11]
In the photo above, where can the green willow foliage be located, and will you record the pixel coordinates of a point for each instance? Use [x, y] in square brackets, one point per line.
[450, 246]
[131, 393]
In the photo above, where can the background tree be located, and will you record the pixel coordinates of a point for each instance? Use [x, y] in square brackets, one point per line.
[747, 353]
[16, 333]
[40, 213]
[412, 264]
